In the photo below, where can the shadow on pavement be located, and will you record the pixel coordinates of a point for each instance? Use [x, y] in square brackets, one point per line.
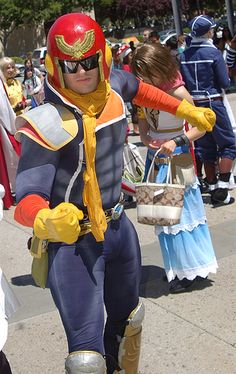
[153, 286]
[23, 280]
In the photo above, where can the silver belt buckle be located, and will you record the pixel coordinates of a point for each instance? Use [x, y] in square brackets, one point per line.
[117, 211]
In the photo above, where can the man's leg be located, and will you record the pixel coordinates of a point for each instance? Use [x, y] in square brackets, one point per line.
[221, 194]
[76, 279]
[225, 140]
[206, 151]
[124, 313]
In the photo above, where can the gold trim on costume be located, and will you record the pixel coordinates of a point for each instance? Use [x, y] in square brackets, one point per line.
[100, 58]
[79, 48]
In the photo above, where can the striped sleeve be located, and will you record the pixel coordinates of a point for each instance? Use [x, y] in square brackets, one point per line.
[230, 57]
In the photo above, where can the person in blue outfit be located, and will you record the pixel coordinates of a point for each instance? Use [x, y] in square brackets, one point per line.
[204, 72]
[187, 250]
[231, 58]
[68, 190]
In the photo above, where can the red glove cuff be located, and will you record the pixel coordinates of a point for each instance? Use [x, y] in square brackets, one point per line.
[152, 97]
[28, 208]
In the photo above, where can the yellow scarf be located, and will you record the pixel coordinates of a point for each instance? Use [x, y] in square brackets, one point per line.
[91, 105]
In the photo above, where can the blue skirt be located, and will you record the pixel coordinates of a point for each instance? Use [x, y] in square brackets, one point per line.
[187, 248]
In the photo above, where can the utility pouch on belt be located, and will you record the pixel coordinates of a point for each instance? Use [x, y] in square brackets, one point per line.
[39, 268]
[182, 169]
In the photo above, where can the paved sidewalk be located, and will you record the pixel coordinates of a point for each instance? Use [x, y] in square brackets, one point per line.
[187, 333]
[190, 333]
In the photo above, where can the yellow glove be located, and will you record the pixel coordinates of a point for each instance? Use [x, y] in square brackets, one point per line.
[60, 224]
[202, 118]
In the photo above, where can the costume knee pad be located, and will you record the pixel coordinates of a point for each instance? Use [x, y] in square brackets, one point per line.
[129, 349]
[85, 362]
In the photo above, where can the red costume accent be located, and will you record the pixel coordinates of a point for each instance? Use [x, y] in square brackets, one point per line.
[4, 180]
[28, 208]
[151, 97]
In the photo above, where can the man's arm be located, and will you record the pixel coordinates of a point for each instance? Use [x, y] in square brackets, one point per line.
[145, 95]
[231, 53]
[35, 176]
[151, 97]
[220, 71]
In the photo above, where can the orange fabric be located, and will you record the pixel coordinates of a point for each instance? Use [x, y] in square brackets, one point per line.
[152, 97]
[28, 208]
[113, 109]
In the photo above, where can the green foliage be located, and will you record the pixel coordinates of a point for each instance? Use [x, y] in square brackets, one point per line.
[113, 40]
[18, 60]
[15, 13]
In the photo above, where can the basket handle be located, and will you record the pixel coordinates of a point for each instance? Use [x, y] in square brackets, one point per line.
[169, 175]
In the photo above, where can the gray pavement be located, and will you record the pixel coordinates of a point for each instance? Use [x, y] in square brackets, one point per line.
[190, 333]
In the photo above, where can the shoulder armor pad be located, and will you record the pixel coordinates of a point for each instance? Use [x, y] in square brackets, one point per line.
[52, 126]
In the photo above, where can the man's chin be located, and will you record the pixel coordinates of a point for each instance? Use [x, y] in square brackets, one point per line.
[85, 91]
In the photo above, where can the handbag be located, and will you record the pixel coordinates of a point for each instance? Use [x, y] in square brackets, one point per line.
[159, 203]
[133, 170]
[182, 169]
[133, 163]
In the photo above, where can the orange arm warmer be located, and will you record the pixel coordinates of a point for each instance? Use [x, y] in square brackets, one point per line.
[152, 97]
[28, 208]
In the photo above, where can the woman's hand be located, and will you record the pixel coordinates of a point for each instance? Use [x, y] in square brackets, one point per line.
[155, 144]
[168, 148]
[146, 139]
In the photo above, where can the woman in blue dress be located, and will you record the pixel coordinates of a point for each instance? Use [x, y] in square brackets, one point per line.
[187, 250]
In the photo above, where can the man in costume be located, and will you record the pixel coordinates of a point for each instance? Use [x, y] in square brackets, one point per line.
[68, 190]
[205, 75]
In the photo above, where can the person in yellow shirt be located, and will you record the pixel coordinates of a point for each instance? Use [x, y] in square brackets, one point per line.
[13, 86]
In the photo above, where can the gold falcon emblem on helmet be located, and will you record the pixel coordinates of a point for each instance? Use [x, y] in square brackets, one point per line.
[79, 48]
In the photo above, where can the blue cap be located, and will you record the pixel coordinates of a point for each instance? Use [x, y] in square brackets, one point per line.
[200, 25]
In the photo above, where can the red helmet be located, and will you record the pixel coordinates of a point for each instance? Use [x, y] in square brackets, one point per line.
[75, 36]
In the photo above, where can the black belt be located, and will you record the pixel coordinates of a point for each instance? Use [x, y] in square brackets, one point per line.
[208, 100]
[85, 220]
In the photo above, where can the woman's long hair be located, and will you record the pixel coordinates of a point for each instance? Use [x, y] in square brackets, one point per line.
[154, 60]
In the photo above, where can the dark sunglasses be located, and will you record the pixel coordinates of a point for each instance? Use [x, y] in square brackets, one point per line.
[71, 67]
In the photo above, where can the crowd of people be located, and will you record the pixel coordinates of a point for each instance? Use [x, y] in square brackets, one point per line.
[21, 96]
[68, 180]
